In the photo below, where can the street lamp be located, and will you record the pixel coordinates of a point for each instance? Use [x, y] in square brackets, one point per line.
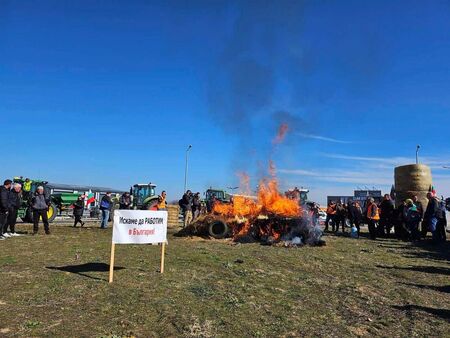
[417, 154]
[186, 168]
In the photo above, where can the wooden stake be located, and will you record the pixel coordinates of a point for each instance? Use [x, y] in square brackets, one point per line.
[111, 263]
[163, 250]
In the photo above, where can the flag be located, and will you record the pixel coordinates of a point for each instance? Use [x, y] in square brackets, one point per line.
[432, 190]
[90, 199]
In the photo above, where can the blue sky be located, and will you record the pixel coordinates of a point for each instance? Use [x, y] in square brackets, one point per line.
[111, 93]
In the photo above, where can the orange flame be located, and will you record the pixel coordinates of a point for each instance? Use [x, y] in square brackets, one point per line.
[269, 201]
[282, 131]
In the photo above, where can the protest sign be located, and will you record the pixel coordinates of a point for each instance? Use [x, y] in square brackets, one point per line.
[138, 227]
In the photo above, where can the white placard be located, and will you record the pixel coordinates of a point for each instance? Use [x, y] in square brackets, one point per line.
[139, 227]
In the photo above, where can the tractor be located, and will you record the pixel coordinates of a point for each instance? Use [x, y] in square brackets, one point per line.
[144, 196]
[25, 212]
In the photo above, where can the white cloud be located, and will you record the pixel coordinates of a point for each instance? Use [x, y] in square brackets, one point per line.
[366, 177]
[322, 138]
[433, 162]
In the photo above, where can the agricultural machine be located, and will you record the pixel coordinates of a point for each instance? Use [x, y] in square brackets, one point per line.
[144, 196]
[58, 202]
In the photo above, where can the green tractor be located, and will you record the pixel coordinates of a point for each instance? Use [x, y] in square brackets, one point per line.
[220, 195]
[25, 212]
[144, 196]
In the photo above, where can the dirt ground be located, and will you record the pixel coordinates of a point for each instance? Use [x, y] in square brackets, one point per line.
[56, 286]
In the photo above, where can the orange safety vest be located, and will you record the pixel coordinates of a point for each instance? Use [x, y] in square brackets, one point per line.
[369, 213]
[331, 211]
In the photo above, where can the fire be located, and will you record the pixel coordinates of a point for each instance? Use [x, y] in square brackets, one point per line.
[282, 131]
[269, 202]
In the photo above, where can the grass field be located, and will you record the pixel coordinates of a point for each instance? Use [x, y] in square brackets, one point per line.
[56, 286]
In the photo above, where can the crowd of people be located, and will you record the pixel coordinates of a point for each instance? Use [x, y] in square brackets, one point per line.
[409, 220]
[191, 207]
[10, 203]
[13, 195]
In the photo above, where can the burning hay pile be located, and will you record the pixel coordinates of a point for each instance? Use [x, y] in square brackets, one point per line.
[269, 218]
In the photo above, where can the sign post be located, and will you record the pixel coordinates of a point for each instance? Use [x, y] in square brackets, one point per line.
[138, 227]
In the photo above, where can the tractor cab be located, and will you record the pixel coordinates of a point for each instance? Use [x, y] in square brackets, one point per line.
[144, 196]
[300, 195]
[219, 195]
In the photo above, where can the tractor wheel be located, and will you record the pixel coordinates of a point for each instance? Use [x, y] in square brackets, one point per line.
[52, 212]
[151, 205]
[218, 229]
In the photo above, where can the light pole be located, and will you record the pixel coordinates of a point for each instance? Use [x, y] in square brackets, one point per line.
[417, 154]
[186, 168]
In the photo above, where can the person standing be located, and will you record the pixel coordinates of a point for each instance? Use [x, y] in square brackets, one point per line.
[105, 206]
[40, 204]
[15, 201]
[125, 201]
[430, 217]
[331, 213]
[186, 206]
[27, 188]
[412, 217]
[196, 206]
[341, 215]
[373, 216]
[386, 215]
[400, 222]
[162, 201]
[78, 210]
[4, 207]
[356, 215]
[442, 221]
[420, 210]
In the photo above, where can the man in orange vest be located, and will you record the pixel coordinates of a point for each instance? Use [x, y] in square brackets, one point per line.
[373, 216]
[331, 213]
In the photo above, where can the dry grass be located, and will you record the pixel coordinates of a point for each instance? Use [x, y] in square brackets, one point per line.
[56, 286]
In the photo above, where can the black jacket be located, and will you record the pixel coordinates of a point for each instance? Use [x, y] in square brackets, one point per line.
[125, 201]
[15, 199]
[78, 208]
[386, 209]
[186, 203]
[108, 199]
[4, 199]
[432, 209]
[355, 212]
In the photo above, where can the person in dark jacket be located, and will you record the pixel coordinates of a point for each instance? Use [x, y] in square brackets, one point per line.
[442, 222]
[186, 206]
[400, 222]
[15, 201]
[78, 209]
[125, 201]
[106, 205]
[412, 217]
[386, 216]
[355, 210]
[196, 205]
[40, 204]
[341, 215]
[430, 216]
[4, 206]
[420, 210]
